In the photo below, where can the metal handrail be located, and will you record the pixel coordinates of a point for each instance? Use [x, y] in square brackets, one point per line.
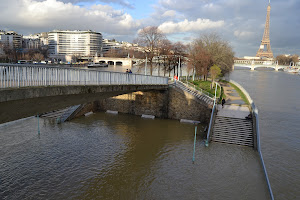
[192, 87]
[198, 88]
[255, 113]
[211, 118]
[12, 76]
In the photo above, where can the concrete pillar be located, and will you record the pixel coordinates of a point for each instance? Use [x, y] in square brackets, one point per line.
[252, 65]
[130, 62]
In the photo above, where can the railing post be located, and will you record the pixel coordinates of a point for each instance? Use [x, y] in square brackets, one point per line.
[18, 75]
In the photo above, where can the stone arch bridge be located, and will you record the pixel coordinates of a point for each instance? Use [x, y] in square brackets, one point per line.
[251, 64]
[115, 61]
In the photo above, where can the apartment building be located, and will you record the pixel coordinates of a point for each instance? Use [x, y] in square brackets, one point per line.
[113, 44]
[65, 44]
[36, 41]
[11, 39]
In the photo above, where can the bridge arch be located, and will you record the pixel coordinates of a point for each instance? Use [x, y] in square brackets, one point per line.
[120, 63]
[111, 62]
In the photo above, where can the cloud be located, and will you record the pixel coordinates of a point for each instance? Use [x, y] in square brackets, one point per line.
[119, 2]
[169, 13]
[190, 26]
[243, 34]
[245, 21]
[55, 14]
[179, 18]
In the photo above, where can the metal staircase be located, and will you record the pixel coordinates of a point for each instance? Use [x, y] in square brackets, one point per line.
[233, 131]
[64, 114]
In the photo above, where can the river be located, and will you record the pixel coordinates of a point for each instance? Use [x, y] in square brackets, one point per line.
[277, 94]
[105, 156]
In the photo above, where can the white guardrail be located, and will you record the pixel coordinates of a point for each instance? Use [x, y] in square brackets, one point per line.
[255, 113]
[31, 75]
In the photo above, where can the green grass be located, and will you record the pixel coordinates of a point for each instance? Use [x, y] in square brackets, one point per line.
[205, 85]
[242, 95]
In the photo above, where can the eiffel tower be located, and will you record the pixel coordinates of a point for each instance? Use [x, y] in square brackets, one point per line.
[265, 43]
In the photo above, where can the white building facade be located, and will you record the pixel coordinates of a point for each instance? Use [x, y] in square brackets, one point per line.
[65, 44]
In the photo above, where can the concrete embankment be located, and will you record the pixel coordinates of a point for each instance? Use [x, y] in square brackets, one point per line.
[168, 104]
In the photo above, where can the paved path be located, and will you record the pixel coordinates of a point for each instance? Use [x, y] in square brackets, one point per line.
[234, 107]
[233, 111]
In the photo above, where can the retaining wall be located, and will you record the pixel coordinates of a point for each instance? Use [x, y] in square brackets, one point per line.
[171, 104]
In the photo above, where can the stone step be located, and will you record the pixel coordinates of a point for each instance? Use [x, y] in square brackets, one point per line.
[241, 136]
[239, 127]
[245, 139]
[233, 131]
[227, 141]
[233, 134]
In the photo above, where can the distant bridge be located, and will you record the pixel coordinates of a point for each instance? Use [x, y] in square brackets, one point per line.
[114, 61]
[27, 90]
[251, 64]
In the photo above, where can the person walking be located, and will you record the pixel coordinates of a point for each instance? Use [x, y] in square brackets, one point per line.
[223, 102]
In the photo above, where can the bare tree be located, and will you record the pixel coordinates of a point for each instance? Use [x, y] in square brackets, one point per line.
[220, 51]
[38, 57]
[295, 58]
[286, 60]
[164, 52]
[179, 54]
[199, 59]
[149, 37]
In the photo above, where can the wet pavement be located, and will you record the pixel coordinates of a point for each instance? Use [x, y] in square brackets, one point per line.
[234, 106]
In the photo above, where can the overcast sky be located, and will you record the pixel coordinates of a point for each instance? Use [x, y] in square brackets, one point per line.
[241, 22]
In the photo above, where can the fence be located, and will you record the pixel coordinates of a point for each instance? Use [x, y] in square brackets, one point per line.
[31, 75]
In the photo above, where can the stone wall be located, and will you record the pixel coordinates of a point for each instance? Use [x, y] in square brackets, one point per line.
[183, 105]
[88, 107]
[138, 103]
[171, 103]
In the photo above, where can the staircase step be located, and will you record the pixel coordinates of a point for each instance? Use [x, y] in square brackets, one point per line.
[244, 137]
[233, 138]
[235, 142]
[231, 128]
[233, 131]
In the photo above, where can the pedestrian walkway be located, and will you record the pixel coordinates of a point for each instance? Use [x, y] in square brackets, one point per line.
[231, 125]
[232, 97]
